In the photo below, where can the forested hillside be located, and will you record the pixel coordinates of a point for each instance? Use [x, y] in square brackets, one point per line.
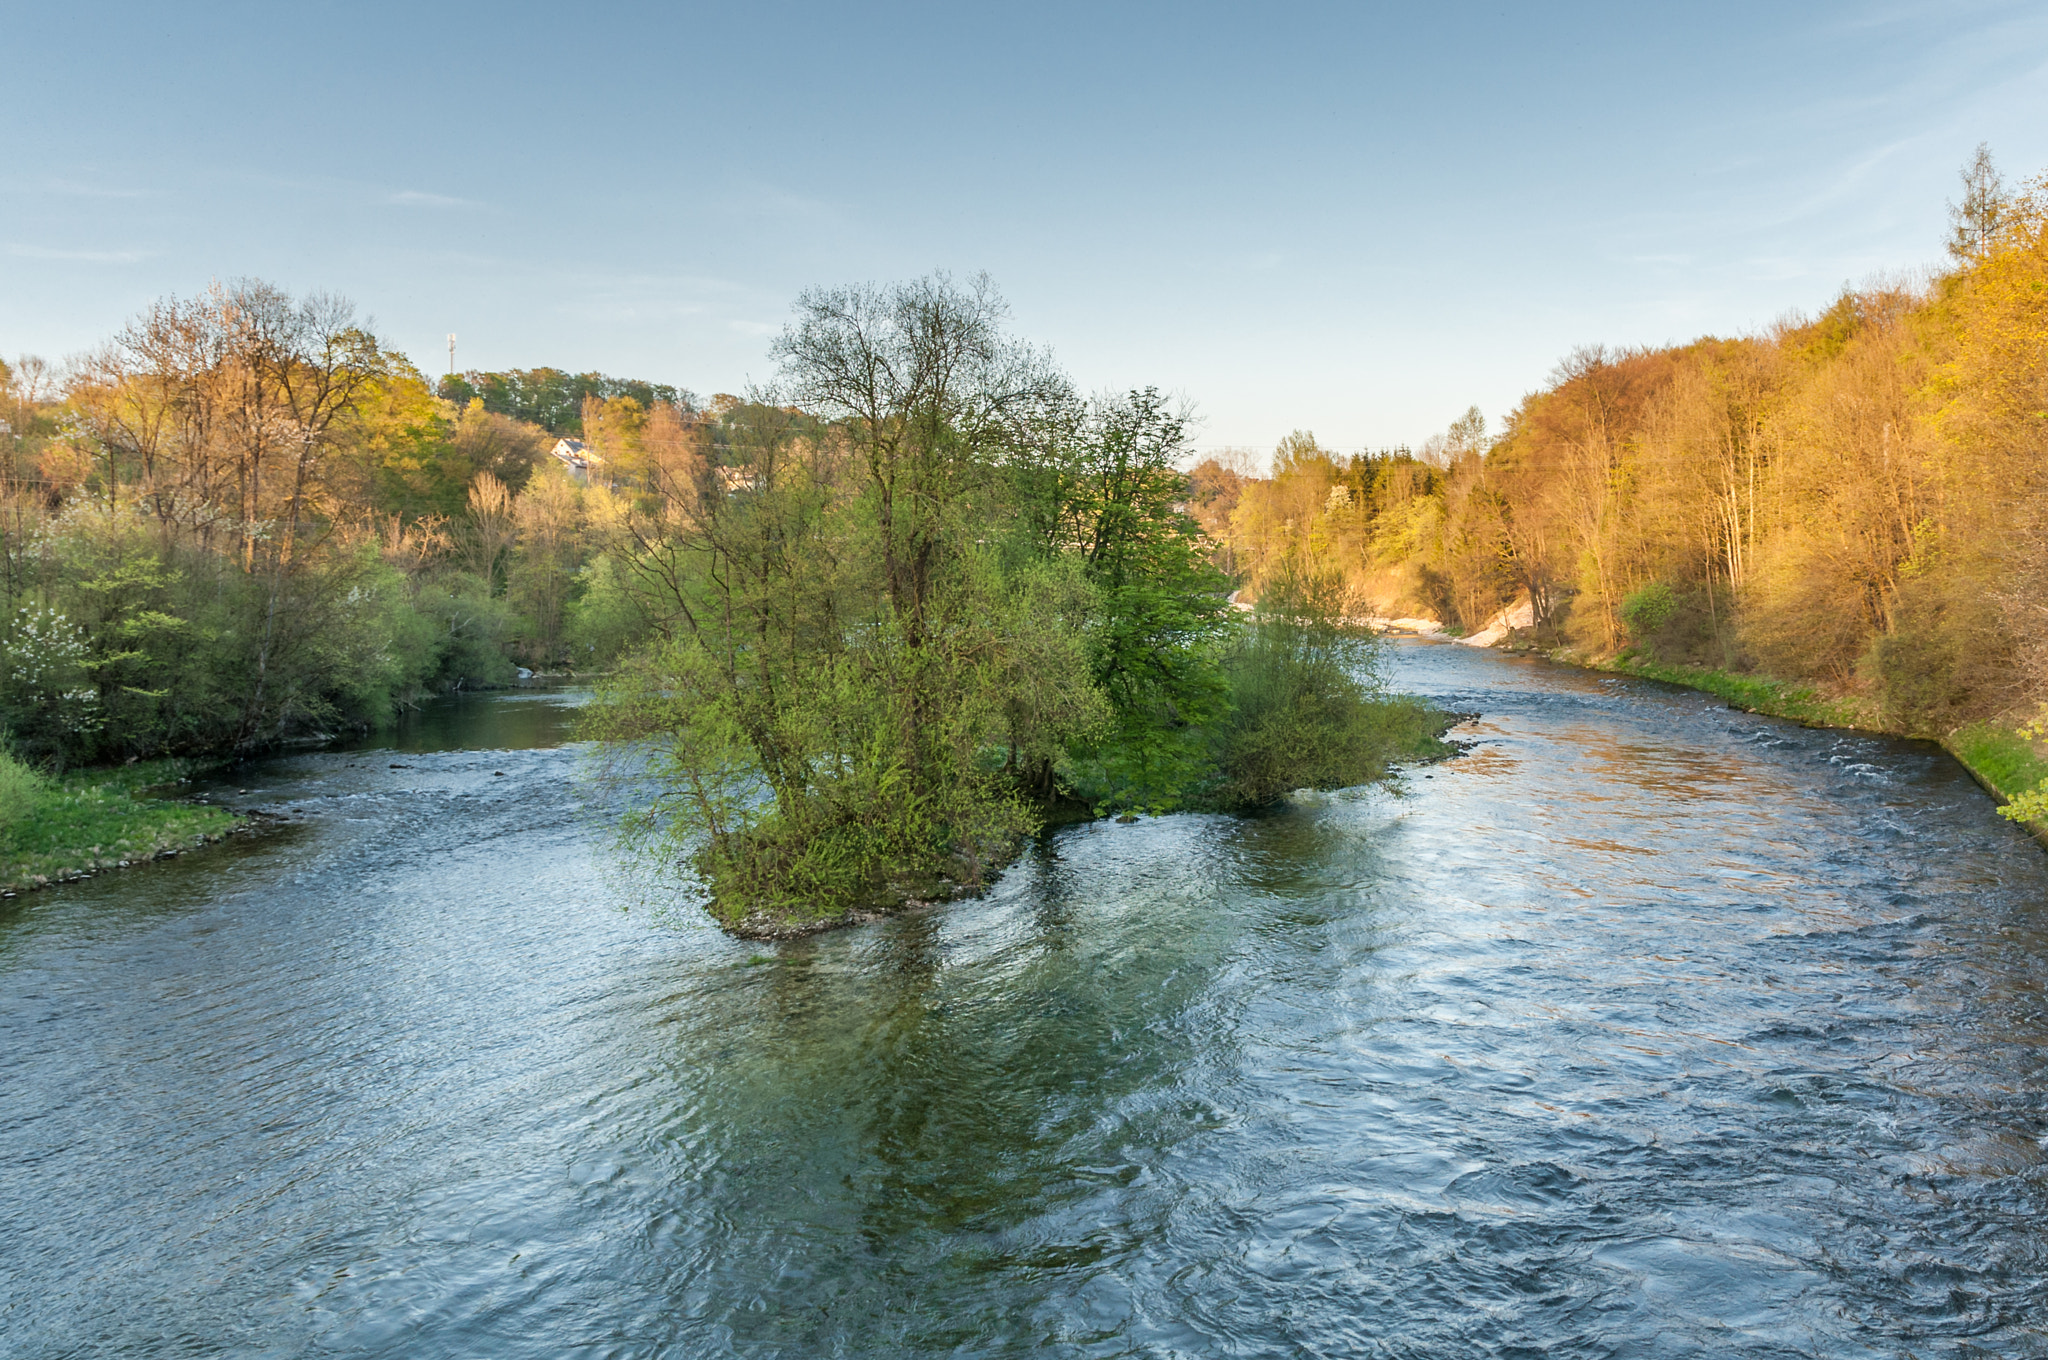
[555, 400]
[245, 520]
[1858, 500]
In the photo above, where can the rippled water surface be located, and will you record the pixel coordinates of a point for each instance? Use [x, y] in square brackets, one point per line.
[1644, 1029]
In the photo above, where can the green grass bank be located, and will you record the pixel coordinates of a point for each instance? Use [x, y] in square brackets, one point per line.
[58, 828]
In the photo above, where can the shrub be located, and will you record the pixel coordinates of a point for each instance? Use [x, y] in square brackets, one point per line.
[20, 789]
[606, 620]
[1308, 706]
[1647, 609]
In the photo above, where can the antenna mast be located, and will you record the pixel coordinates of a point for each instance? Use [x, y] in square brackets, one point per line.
[451, 354]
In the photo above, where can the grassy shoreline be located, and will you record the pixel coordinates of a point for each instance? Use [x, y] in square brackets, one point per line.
[2000, 759]
[56, 829]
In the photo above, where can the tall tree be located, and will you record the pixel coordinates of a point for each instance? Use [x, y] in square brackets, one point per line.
[1974, 222]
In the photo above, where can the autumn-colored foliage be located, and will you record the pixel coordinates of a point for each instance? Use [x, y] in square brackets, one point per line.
[1859, 500]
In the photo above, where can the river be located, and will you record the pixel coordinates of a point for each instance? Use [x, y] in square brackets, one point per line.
[1645, 1028]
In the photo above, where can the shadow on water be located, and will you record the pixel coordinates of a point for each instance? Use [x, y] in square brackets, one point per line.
[1645, 1028]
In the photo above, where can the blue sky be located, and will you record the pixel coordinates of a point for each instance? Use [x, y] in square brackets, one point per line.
[1354, 219]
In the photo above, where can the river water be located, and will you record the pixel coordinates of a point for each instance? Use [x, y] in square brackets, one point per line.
[1646, 1028]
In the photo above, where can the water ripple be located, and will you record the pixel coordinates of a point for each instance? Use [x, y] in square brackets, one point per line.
[1647, 1028]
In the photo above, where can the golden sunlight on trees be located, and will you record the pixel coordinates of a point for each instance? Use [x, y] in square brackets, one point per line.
[890, 613]
[244, 519]
[1855, 500]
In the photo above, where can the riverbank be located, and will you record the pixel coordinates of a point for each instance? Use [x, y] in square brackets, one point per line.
[2003, 760]
[55, 829]
[2009, 766]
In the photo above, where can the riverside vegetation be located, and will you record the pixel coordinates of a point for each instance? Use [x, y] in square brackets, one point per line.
[1842, 520]
[862, 632]
[865, 629]
[52, 829]
[244, 522]
[949, 598]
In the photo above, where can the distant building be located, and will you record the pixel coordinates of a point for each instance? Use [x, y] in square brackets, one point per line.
[736, 479]
[577, 457]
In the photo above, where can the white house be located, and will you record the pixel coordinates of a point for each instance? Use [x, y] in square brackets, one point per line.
[577, 457]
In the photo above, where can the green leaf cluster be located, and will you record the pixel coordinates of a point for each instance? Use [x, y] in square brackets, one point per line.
[969, 601]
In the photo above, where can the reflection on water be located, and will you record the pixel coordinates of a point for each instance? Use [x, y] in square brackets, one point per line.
[532, 717]
[1646, 1028]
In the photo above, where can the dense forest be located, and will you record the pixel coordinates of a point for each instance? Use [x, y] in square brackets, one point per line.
[245, 521]
[862, 631]
[553, 400]
[1857, 500]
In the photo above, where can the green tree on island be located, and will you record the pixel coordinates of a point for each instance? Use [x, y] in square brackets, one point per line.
[890, 645]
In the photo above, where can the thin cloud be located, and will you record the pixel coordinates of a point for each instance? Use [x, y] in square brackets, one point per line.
[599, 309]
[1772, 269]
[415, 198]
[771, 201]
[80, 256]
[67, 188]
